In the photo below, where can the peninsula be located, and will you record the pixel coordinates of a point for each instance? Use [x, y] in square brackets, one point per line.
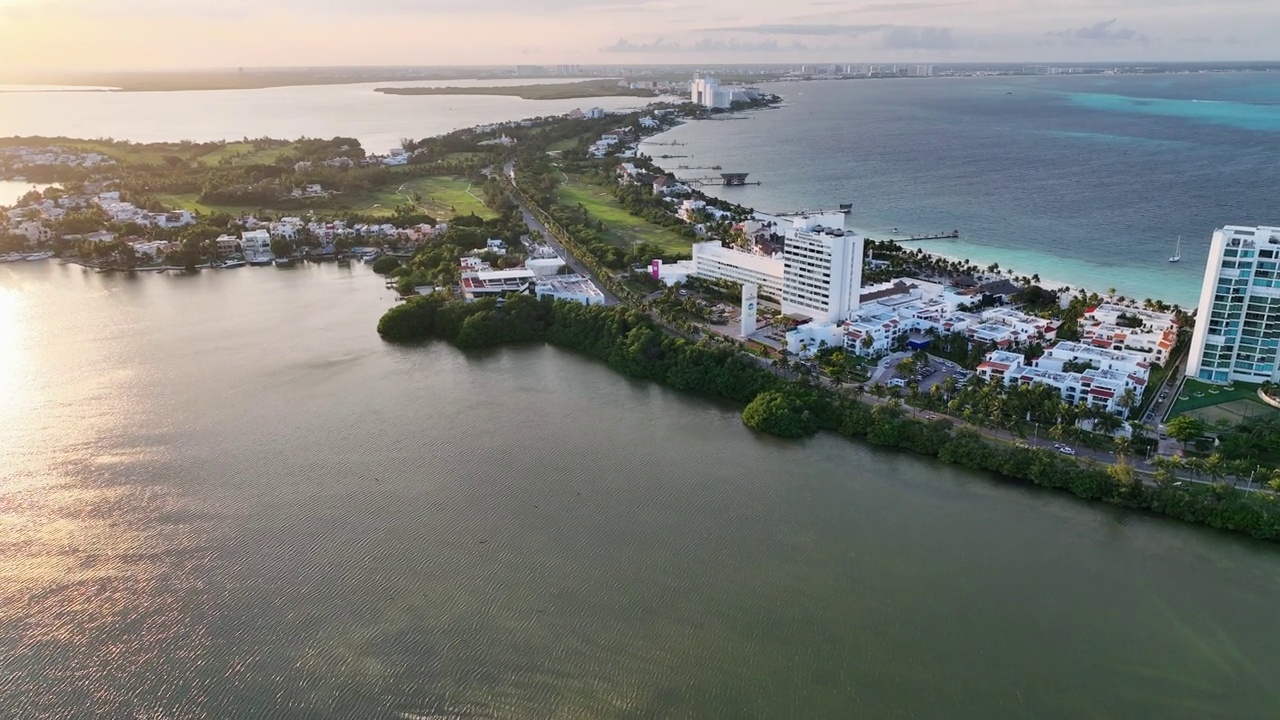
[562, 230]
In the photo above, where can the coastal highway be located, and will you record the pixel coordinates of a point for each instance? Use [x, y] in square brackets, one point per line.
[538, 230]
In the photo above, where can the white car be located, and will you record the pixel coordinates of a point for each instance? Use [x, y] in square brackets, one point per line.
[1066, 450]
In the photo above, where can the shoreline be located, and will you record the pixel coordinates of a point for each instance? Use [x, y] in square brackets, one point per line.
[1008, 259]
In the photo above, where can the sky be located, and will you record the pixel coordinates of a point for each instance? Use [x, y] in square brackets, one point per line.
[160, 34]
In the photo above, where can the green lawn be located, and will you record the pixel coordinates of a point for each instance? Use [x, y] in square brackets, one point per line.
[562, 145]
[442, 197]
[189, 201]
[622, 228]
[246, 154]
[136, 154]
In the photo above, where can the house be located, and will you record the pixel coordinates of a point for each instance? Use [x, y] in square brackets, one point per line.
[594, 113]
[227, 245]
[256, 245]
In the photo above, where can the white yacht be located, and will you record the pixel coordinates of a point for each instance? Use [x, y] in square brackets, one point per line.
[37, 257]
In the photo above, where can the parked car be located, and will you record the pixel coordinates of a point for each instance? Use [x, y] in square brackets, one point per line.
[1066, 450]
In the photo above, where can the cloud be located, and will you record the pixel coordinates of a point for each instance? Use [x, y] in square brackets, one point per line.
[705, 45]
[919, 38]
[813, 30]
[1102, 31]
[663, 6]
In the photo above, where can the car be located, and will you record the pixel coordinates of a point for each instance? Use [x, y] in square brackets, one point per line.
[1066, 450]
[1021, 444]
[930, 416]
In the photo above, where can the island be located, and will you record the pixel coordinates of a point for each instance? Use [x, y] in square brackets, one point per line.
[558, 91]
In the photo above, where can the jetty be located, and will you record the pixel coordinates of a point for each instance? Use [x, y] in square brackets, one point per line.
[953, 235]
[725, 180]
[698, 167]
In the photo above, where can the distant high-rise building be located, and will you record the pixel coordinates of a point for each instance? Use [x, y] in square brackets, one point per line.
[708, 93]
[1237, 335]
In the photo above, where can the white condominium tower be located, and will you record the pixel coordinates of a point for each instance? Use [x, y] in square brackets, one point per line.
[1237, 336]
[822, 278]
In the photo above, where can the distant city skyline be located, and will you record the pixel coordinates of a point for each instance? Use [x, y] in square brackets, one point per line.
[158, 34]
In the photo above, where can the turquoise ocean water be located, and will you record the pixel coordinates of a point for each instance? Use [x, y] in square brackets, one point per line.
[1085, 180]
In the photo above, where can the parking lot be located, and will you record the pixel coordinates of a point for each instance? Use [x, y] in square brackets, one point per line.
[937, 371]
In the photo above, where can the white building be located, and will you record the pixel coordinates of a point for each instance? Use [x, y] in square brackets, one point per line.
[822, 274]
[708, 93]
[1105, 389]
[256, 245]
[574, 288]
[1156, 337]
[495, 283]
[227, 244]
[713, 261]
[594, 113]
[1237, 335]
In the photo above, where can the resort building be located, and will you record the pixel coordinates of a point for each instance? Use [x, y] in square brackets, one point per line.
[1237, 335]
[574, 288]
[495, 283]
[1102, 388]
[822, 273]
[713, 261]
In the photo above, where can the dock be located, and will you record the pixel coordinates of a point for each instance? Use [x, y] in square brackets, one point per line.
[725, 180]
[953, 235]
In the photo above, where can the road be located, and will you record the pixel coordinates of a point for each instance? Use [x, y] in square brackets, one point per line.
[538, 230]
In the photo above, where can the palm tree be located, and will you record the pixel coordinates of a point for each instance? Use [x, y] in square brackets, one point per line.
[1215, 467]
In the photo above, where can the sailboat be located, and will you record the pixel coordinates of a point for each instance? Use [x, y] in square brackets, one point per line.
[1177, 251]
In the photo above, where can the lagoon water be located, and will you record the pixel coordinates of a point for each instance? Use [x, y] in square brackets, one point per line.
[1085, 180]
[379, 121]
[223, 496]
[12, 190]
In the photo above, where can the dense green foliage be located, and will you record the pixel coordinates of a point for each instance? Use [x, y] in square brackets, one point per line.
[788, 413]
[385, 264]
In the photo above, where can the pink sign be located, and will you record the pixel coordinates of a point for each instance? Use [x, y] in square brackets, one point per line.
[656, 267]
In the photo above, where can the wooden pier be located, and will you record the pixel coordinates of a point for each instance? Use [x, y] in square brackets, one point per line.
[953, 235]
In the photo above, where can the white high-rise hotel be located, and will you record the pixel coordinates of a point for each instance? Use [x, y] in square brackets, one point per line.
[708, 93]
[822, 272]
[818, 274]
[1237, 335]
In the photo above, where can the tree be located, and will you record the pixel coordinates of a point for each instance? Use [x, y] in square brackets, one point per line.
[907, 367]
[1185, 428]
[281, 247]
[1128, 400]
[868, 341]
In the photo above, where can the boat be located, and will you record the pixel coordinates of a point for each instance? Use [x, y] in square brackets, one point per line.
[1177, 251]
[37, 257]
[229, 264]
[284, 262]
[370, 257]
[261, 259]
[846, 208]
